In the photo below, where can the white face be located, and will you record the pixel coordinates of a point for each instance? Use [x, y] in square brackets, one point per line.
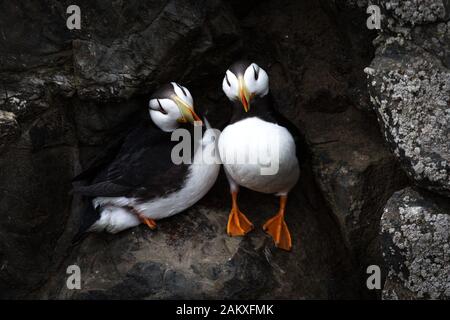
[168, 113]
[254, 82]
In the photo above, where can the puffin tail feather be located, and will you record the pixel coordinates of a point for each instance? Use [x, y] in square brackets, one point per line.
[88, 217]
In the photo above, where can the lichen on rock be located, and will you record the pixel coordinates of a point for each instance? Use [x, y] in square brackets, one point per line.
[416, 234]
[409, 85]
[410, 91]
[414, 12]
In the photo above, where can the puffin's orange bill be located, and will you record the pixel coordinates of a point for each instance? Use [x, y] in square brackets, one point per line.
[187, 111]
[244, 101]
[195, 116]
[244, 94]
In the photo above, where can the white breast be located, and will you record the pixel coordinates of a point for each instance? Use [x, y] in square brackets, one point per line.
[259, 155]
[201, 177]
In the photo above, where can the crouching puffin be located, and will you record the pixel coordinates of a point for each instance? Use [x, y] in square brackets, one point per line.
[139, 181]
[257, 139]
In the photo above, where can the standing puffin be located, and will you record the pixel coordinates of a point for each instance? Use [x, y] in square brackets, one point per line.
[140, 183]
[256, 127]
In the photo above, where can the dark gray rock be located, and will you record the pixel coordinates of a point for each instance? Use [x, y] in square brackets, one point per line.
[356, 173]
[415, 230]
[400, 14]
[409, 83]
[9, 128]
[410, 89]
[122, 49]
[157, 41]
[35, 174]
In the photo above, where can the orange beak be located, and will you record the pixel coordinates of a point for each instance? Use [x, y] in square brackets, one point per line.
[187, 111]
[195, 116]
[244, 94]
[244, 101]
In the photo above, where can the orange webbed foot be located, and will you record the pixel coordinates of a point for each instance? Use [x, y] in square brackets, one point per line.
[149, 222]
[277, 228]
[238, 224]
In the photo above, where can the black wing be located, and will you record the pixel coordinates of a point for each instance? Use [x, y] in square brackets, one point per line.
[142, 168]
[103, 158]
[282, 121]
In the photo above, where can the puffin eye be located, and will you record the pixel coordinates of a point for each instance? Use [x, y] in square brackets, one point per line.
[160, 107]
[255, 71]
[228, 81]
[182, 89]
[256, 80]
[188, 94]
[230, 85]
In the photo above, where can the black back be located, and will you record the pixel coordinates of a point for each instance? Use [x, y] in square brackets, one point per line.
[141, 168]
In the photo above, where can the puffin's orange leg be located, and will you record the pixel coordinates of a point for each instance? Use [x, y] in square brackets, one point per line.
[238, 224]
[149, 222]
[277, 228]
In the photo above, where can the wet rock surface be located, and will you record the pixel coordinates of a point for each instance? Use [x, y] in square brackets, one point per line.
[416, 234]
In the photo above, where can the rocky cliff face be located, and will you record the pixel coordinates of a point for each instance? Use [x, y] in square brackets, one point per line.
[66, 94]
[409, 83]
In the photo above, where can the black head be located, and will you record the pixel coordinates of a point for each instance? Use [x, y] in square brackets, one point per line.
[171, 105]
[245, 81]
